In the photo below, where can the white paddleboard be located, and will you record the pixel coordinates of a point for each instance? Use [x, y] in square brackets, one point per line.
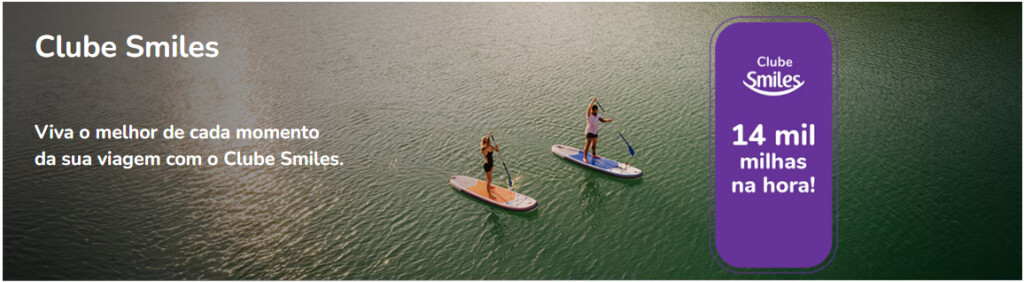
[602, 164]
[499, 196]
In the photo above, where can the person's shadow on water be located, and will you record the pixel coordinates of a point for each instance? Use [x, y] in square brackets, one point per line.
[592, 196]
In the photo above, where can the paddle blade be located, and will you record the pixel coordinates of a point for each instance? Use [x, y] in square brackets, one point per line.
[631, 152]
[507, 175]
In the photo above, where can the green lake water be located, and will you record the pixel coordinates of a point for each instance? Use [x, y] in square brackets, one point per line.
[928, 173]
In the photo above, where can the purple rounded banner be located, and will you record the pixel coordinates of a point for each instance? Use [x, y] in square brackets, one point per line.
[772, 188]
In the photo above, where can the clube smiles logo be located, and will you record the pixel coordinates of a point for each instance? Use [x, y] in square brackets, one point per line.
[775, 83]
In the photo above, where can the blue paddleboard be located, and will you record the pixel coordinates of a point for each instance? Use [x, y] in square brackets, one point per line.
[602, 164]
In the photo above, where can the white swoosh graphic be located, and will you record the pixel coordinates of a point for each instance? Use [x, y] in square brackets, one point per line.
[773, 93]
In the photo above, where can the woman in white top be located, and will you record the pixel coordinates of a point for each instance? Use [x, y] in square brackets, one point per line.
[592, 121]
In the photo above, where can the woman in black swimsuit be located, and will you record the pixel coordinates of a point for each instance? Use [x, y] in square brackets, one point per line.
[488, 151]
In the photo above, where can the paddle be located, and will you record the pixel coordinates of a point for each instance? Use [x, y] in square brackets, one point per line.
[631, 152]
[502, 161]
